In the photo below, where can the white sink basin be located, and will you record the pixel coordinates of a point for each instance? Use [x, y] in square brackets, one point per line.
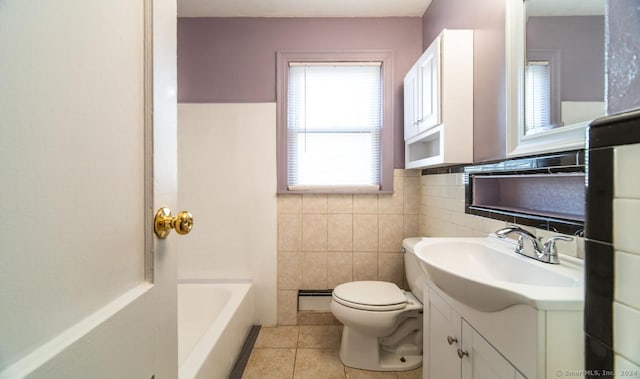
[487, 275]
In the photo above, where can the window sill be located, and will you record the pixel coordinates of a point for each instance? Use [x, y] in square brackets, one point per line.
[355, 190]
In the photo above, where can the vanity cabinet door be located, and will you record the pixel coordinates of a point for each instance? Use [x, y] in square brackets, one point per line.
[411, 103]
[480, 360]
[444, 328]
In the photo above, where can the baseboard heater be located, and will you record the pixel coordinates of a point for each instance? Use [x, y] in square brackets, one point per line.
[314, 300]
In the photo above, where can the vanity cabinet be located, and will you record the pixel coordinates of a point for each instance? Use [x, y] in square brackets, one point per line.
[438, 103]
[441, 340]
[518, 342]
[482, 361]
[455, 349]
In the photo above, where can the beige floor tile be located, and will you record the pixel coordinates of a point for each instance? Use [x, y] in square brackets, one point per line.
[270, 364]
[413, 374]
[281, 336]
[321, 336]
[353, 373]
[318, 363]
[316, 318]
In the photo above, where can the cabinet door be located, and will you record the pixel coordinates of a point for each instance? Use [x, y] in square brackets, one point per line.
[480, 360]
[429, 78]
[444, 339]
[411, 103]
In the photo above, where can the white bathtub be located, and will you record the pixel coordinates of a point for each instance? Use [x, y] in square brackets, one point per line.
[213, 322]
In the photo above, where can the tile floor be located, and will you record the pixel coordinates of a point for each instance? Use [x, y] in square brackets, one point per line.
[306, 352]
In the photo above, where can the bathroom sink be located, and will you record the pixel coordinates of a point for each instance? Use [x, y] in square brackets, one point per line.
[487, 275]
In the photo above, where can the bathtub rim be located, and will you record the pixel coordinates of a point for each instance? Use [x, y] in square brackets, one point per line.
[201, 351]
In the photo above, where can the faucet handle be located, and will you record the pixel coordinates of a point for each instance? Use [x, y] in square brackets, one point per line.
[553, 239]
[550, 245]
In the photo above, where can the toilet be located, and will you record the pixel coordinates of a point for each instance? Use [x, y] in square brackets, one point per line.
[382, 323]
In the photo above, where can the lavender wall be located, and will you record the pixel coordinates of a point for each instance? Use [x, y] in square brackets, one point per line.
[580, 40]
[487, 19]
[225, 60]
[623, 55]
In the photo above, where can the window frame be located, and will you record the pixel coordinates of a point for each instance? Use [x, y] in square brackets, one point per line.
[283, 58]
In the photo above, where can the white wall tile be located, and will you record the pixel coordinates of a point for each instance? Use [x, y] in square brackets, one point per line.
[626, 180]
[490, 225]
[625, 225]
[217, 191]
[442, 213]
[625, 368]
[627, 280]
[626, 331]
[564, 247]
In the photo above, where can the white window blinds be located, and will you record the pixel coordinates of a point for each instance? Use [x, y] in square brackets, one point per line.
[538, 96]
[334, 124]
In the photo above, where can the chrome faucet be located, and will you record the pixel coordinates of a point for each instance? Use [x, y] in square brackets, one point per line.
[544, 252]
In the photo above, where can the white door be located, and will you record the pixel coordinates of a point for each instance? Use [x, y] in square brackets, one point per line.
[86, 291]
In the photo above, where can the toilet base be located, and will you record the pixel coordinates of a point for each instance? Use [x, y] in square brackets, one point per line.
[364, 352]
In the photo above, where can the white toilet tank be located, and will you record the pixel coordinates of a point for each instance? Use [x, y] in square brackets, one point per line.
[414, 273]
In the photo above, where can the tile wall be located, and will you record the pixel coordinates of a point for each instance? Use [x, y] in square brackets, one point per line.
[612, 300]
[326, 240]
[442, 201]
[626, 306]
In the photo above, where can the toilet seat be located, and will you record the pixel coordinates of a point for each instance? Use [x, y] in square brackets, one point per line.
[370, 296]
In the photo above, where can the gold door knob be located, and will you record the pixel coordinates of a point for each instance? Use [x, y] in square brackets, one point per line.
[164, 222]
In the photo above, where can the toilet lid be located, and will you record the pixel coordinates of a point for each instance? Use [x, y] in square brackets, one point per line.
[371, 294]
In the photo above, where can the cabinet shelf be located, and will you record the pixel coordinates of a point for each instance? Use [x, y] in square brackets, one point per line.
[558, 197]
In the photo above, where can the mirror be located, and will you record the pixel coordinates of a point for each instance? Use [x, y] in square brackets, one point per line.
[564, 64]
[555, 73]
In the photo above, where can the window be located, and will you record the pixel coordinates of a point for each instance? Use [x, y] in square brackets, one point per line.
[537, 97]
[334, 128]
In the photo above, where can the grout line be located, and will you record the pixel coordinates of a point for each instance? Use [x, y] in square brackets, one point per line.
[295, 354]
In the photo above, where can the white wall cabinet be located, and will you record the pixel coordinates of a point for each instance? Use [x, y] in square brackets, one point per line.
[438, 103]
[411, 107]
[516, 343]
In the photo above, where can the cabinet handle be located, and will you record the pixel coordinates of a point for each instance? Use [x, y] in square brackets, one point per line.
[462, 353]
[452, 340]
